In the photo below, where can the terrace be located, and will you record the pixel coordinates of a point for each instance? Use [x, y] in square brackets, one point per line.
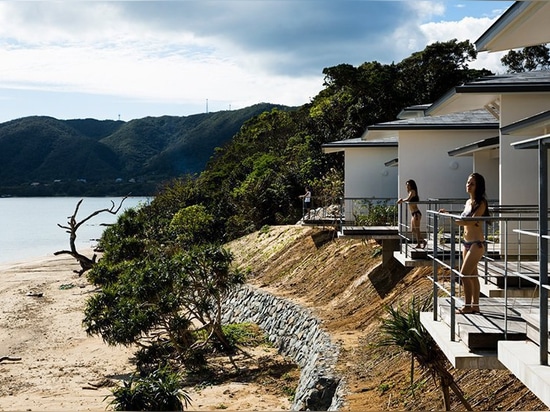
[511, 331]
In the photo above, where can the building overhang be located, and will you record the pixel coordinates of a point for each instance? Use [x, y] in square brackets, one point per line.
[525, 23]
[486, 92]
[342, 145]
[536, 125]
[532, 143]
[471, 148]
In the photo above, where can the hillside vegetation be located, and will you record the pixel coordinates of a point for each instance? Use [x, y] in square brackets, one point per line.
[44, 156]
[343, 282]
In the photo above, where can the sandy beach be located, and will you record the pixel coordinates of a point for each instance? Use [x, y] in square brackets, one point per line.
[55, 366]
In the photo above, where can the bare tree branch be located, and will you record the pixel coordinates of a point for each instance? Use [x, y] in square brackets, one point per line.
[71, 228]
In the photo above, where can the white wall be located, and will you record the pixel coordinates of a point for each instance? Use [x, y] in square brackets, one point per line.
[519, 168]
[366, 175]
[487, 164]
[423, 157]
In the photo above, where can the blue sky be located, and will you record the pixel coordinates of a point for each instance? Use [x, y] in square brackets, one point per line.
[132, 59]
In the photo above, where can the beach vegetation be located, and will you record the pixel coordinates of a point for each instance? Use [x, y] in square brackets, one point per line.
[402, 328]
[161, 280]
[157, 391]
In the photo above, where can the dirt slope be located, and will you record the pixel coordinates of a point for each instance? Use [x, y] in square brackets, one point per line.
[344, 283]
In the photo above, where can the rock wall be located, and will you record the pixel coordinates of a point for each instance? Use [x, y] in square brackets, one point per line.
[297, 334]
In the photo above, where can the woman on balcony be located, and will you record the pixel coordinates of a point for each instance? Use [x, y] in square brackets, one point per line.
[416, 215]
[473, 241]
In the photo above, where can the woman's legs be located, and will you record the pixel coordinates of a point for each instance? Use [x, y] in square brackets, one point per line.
[415, 228]
[470, 279]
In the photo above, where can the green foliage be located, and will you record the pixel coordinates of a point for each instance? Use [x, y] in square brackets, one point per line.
[152, 289]
[108, 154]
[244, 334]
[148, 295]
[403, 328]
[158, 391]
[527, 59]
[376, 214]
[428, 74]
[192, 225]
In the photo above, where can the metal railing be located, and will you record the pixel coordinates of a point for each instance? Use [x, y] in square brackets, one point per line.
[322, 208]
[512, 247]
[372, 211]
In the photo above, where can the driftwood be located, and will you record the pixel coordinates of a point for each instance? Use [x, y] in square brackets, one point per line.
[72, 226]
[9, 358]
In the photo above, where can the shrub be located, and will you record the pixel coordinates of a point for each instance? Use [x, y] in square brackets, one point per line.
[158, 391]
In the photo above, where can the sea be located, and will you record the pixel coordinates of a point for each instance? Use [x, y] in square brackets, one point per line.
[29, 226]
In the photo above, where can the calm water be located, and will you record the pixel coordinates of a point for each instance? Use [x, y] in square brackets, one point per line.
[28, 226]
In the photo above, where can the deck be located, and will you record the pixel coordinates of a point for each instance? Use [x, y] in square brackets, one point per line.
[483, 331]
[366, 232]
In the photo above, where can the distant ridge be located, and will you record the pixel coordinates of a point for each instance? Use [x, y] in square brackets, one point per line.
[44, 156]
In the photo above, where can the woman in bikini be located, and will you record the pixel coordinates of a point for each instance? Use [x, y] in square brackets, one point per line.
[473, 241]
[416, 215]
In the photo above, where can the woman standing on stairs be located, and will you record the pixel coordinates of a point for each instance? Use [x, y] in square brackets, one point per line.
[473, 242]
[416, 215]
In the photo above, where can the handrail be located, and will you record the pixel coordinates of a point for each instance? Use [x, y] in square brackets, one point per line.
[505, 221]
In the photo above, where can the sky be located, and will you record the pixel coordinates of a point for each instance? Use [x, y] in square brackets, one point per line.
[132, 59]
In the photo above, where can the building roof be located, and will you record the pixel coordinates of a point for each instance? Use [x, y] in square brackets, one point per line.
[472, 119]
[486, 91]
[339, 145]
[418, 110]
[533, 125]
[525, 23]
[485, 144]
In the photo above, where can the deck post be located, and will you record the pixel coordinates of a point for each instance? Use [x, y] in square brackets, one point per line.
[543, 250]
[453, 282]
[435, 266]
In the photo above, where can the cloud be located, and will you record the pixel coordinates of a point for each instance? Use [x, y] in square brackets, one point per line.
[235, 52]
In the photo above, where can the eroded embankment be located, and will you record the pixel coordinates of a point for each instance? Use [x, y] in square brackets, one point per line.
[342, 284]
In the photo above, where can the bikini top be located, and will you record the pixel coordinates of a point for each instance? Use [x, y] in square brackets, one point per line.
[415, 198]
[469, 211]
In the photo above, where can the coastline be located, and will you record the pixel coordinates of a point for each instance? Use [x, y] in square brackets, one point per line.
[60, 367]
[40, 322]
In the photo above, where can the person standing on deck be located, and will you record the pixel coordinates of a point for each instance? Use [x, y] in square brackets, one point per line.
[473, 242]
[416, 215]
[307, 202]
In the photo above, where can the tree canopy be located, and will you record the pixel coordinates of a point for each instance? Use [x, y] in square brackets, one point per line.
[527, 59]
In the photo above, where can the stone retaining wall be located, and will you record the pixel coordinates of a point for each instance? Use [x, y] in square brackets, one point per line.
[297, 334]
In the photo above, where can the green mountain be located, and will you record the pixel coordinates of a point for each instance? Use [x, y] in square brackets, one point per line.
[46, 156]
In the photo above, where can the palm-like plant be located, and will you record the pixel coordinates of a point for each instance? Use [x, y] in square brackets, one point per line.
[403, 328]
[159, 391]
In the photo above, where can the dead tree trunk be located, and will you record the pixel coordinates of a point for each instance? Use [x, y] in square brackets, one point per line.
[72, 226]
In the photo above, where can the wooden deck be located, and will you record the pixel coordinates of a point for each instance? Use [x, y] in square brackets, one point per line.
[483, 331]
[378, 232]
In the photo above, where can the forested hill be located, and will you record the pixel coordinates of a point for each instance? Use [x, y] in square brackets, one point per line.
[44, 156]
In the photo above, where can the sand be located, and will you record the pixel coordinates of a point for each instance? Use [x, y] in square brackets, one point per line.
[57, 367]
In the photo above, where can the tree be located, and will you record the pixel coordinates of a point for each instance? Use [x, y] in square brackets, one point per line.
[429, 74]
[72, 227]
[159, 288]
[527, 59]
[404, 329]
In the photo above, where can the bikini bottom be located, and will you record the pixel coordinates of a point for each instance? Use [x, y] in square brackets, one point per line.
[467, 245]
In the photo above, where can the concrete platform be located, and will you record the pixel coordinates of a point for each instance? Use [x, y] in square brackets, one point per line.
[522, 359]
[370, 232]
[460, 356]
[483, 331]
